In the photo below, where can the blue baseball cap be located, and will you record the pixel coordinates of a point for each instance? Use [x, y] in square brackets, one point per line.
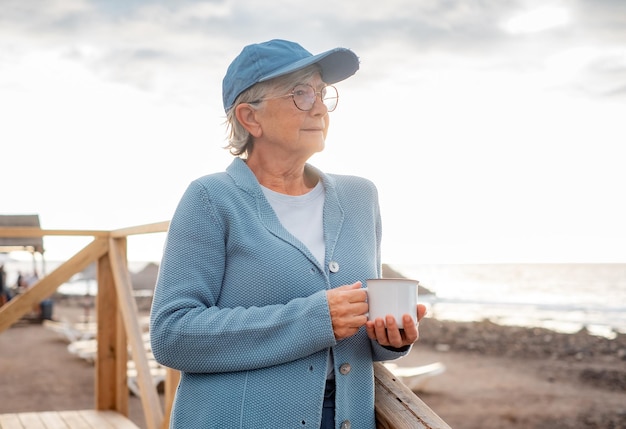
[264, 61]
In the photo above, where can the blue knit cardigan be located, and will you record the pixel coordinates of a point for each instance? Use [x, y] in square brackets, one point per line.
[240, 307]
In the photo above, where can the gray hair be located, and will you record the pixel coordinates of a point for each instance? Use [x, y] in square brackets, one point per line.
[240, 141]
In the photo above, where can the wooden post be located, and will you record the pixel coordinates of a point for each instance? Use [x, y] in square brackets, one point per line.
[152, 408]
[111, 378]
[172, 377]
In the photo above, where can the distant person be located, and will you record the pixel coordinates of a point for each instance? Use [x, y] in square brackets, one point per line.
[5, 294]
[259, 300]
[21, 284]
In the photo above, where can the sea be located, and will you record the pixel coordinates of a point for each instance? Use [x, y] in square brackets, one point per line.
[560, 297]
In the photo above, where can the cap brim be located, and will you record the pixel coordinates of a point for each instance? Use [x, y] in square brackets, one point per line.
[337, 64]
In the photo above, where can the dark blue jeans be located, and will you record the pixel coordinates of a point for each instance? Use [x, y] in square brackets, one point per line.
[328, 412]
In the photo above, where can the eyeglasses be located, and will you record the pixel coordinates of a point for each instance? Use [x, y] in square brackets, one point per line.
[304, 96]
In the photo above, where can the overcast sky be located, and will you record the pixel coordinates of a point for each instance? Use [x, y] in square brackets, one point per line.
[493, 129]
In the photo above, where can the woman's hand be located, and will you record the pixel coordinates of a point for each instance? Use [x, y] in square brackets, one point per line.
[392, 336]
[348, 309]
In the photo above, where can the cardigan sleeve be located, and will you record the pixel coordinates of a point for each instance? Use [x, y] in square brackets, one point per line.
[191, 333]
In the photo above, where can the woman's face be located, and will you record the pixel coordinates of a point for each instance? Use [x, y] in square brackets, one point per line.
[288, 129]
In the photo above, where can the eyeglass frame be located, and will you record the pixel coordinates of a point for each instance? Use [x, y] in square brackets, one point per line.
[315, 93]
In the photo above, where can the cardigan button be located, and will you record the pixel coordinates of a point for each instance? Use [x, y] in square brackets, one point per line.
[346, 424]
[345, 368]
[333, 266]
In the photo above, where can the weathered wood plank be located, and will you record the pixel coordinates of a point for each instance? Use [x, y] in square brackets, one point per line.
[398, 407]
[116, 420]
[52, 420]
[10, 421]
[31, 420]
[73, 420]
[96, 419]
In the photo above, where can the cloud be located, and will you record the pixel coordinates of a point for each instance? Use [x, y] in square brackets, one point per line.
[605, 75]
[146, 43]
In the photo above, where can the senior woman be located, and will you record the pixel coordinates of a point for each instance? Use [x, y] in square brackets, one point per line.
[259, 300]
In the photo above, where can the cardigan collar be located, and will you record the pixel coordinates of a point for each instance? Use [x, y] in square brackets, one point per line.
[245, 179]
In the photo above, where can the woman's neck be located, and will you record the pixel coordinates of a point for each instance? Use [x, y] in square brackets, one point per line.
[283, 177]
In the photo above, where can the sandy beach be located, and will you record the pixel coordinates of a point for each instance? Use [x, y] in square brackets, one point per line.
[496, 377]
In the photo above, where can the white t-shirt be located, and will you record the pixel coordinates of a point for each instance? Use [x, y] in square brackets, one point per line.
[302, 216]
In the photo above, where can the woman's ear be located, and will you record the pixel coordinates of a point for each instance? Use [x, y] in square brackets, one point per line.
[246, 116]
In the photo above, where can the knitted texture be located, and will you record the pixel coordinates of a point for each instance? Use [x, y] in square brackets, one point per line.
[240, 306]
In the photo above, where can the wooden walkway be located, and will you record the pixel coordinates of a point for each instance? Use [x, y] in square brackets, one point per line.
[81, 419]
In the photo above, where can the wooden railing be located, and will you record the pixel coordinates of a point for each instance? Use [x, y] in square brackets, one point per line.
[396, 405]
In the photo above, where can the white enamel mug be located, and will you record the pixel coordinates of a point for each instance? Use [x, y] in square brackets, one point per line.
[392, 296]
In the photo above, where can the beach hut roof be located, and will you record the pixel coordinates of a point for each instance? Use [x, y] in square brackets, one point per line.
[29, 244]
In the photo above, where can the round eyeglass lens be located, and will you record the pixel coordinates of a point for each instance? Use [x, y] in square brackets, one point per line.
[304, 97]
[330, 97]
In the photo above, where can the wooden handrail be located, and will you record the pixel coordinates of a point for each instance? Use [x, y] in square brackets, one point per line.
[38, 232]
[141, 229]
[22, 304]
[396, 405]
